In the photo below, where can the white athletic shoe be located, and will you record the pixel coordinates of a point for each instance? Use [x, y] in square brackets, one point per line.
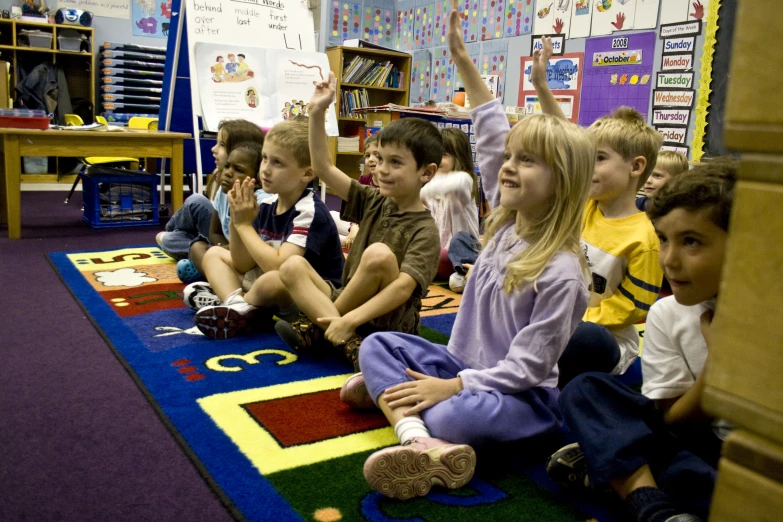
[457, 283]
[198, 295]
[225, 321]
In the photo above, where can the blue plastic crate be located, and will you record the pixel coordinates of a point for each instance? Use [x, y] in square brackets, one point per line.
[119, 200]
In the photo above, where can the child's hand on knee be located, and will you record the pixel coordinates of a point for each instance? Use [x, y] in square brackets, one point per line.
[425, 392]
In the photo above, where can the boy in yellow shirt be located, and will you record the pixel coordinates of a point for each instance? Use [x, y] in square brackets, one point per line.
[619, 241]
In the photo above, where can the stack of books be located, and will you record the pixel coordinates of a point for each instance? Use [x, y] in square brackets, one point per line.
[350, 143]
[366, 71]
[353, 99]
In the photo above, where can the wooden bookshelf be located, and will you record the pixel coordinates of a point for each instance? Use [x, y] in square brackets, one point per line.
[339, 57]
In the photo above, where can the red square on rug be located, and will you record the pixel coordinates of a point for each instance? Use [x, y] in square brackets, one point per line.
[313, 417]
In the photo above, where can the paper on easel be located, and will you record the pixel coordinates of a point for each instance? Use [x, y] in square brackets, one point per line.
[265, 86]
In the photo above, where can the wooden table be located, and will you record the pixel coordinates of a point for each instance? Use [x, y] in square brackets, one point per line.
[64, 143]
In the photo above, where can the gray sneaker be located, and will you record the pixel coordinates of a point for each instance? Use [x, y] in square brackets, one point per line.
[199, 295]
[684, 517]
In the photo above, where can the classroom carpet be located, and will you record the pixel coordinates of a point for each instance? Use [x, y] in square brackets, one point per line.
[264, 425]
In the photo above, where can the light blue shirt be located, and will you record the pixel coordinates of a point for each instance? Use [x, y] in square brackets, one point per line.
[224, 212]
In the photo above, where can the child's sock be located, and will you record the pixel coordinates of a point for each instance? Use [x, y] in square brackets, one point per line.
[409, 428]
[650, 505]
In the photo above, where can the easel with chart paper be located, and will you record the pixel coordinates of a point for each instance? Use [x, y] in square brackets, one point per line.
[240, 24]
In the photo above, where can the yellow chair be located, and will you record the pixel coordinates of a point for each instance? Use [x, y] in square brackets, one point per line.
[74, 120]
[143, 122]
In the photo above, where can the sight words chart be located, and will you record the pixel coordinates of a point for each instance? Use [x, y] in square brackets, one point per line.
[242, 24]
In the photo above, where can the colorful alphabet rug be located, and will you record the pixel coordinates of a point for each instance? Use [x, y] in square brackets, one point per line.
[265, 425]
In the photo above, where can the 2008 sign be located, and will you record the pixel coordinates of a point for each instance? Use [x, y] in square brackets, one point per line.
[619, 43]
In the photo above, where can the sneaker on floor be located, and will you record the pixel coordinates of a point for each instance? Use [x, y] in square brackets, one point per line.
[159, 238]
[236, 316]
[199, 295]
[187, 272]
[300, 335]
[354, 393]
[410, 470]
[684, 518]
[567, 467]
[457, 283]
[351, 350]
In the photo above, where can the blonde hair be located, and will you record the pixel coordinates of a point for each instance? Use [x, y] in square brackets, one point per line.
[671, 162]
[626, 132]
[569, 152]
[293, 135]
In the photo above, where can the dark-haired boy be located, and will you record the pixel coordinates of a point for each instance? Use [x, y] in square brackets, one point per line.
[658, 450]
[395, 255]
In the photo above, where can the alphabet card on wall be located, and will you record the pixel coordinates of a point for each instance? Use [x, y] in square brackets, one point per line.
[404, 37]
[518, 17]
[492, 19]
[442, 75]
[613, 15]
[564, 75]
[618, 71]
[552, 16]
[581, 19]
[421, 76]
[378, 22]
[646, 14]
[151, 18]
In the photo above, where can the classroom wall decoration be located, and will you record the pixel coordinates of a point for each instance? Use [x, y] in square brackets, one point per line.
[346, 22]
[646, 14]
[474, 51]
[518, 17]
[420, 76]
[492, 19]
[705, 81]
[469, 11]
[552, 17]
[618, 71]
[493, 62]
[675, 11]
[109, 8]
[403, 36]
[564, 77]
[378, 22]
[581, 19]
[151, 18]
[424, 17]
[440, 22]
[442, 75]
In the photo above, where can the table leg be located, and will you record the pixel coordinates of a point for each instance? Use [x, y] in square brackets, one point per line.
[177, 174]
[13, 185]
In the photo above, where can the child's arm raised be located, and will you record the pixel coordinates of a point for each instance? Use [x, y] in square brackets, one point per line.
[459, 184]
[247, 248]
[538, 78]
[321, 159]
[491, 123]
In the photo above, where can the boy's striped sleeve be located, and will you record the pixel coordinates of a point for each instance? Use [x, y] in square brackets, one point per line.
[637, 292]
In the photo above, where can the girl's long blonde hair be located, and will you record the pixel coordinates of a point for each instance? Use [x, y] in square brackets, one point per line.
[569, 152]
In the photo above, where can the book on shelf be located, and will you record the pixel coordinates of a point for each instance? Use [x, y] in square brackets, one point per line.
[363, 43]
[352, 99]
[350, 143]
[366, 71]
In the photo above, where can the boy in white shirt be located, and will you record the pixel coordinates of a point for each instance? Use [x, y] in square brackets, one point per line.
[658, 450]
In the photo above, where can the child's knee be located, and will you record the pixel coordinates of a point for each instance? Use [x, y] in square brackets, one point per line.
[293, 269]
[378, 258]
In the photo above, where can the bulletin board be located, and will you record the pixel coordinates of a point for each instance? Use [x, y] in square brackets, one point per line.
[565, 78]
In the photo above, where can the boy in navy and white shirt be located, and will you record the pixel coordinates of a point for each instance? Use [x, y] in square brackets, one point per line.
[244, 283]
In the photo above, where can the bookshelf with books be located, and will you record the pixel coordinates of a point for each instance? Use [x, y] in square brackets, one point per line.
[365, 78]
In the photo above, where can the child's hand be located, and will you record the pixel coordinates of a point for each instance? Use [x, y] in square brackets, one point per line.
[323, 95]
[242, 202]
[425, 392]
[351, 237]
[339, 330]
[469, 268]
[541, 62]
[454, 35]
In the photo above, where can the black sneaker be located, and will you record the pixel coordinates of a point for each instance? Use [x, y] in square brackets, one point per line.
[300, 335]
[567, 467]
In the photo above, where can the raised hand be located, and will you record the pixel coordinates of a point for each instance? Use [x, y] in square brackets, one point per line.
[323, 95]
[541, 62]
[558, 27]
[698, 10]
[454, 33]
[619, 21]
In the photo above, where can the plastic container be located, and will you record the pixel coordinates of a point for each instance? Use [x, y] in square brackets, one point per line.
[35, 38]
[72, 44]
[36, 164]
[22, 122]
[113, 200]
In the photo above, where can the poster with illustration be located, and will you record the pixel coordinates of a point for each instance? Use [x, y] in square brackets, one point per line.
[403, 36]
[151, 18]
[552, 17]
[612, 15]
[564, 77]
[618, 71]
[646, 14]
[581, 18]
[265, 86]
[519, 17]
[491, 15]
[378, 19]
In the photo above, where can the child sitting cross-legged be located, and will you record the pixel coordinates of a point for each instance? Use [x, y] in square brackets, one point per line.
[293, 222]
[657, 449]
[395, 255]
[452, 197]
[496, 381]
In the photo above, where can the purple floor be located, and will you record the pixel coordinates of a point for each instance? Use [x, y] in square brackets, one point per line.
[78, 440]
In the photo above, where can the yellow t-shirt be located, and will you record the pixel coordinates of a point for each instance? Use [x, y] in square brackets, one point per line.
[626, 277]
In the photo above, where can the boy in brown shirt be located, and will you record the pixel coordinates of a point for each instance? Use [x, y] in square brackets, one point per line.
[395, 255]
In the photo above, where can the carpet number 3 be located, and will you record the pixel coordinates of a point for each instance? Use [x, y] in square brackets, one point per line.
[216, 363]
